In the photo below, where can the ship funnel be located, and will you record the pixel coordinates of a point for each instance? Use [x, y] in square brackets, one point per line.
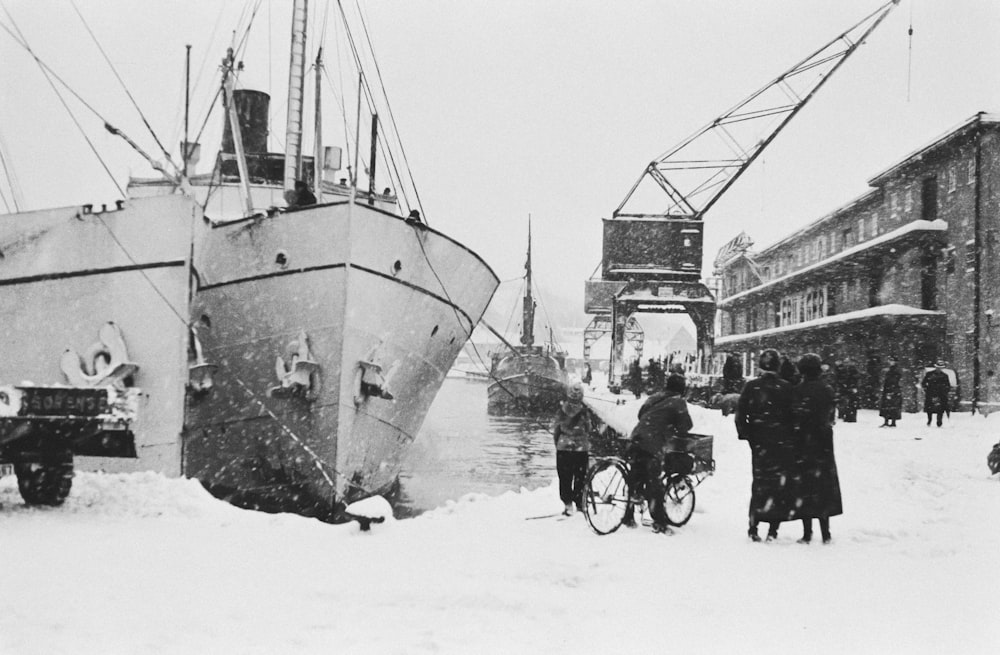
[252, 109]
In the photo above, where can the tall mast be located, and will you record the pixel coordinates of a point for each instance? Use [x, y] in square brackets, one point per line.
[371, 161]
[318, 163]
[296, 91]
[229, 69]
[528, 327]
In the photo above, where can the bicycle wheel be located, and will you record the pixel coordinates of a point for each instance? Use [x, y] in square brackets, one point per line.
[678, 499]
[605, 496]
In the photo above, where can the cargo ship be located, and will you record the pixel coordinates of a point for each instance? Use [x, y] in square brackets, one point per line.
[287, 332]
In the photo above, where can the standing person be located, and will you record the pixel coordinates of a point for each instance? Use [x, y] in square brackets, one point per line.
[732, 375]
[635, 378]
[764, 421]
[788, 372]
[937, 388]
[571, 432]
[664, 415]
[588, 375]
[815, 409]
[890, 405]
[654, 375]
[848, 381]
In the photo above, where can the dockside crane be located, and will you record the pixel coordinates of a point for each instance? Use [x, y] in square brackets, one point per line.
[652, 248]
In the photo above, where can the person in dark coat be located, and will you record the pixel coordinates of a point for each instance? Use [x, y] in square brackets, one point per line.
[764, 421]
[848, 381]
[788, 372]
[634, 379]
[828, 375]
[937, 388]
[655, 377]
[300, 196]
[732, 375]
[819, 486]
[662, 417]
[588, 374]
[890, 405]
[571, 432]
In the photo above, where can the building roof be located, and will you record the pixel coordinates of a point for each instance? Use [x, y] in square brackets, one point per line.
[937, 225]
[917, 155]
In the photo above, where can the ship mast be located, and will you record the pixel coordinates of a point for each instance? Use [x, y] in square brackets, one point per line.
[296, 91]
[318, 163]
[528, 326]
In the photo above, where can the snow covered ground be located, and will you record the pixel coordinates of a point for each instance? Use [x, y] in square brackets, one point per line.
[144, 564]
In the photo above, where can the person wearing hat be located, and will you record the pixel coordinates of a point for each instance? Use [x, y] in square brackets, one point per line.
[662, 417]
[764, 421]
[571, 432]
[814, 407]
[890, 404]
[937, 388]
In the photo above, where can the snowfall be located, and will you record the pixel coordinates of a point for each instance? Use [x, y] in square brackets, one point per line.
[141, 563]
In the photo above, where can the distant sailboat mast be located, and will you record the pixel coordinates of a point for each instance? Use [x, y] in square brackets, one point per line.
[528, 327]
[296, 92]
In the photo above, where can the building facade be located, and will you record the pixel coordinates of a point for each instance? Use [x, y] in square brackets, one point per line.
[908, 269]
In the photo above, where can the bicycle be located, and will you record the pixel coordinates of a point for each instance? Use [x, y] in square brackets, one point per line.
[607, 498]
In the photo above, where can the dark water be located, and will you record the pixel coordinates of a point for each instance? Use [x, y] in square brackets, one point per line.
[462, 450]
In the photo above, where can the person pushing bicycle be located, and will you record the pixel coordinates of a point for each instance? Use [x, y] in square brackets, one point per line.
[662, 417]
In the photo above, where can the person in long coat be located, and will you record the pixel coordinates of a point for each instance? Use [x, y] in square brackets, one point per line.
[814, 408]
[571, 432]
[890, 405]
[937, 388]
[848, 381]
[764, 421]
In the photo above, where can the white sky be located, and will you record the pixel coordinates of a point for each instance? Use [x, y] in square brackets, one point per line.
[523, 107]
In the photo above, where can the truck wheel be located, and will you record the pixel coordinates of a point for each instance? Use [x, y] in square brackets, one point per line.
[44, 484]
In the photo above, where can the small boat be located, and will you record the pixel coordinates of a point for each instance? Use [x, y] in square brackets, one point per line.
[527, 379]
[288, 332]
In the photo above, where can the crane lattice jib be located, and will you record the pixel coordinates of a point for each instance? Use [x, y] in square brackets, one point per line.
[697, 171]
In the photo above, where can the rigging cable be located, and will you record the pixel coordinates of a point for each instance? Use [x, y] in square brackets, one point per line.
[125, 88]
[392, 118]
[46, 71]
[12, 184]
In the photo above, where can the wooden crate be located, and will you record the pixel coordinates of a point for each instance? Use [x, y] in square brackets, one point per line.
[699, 445]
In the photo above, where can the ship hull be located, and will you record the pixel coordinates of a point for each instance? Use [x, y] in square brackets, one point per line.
[526, 385]
[381, 305]
[384, 305]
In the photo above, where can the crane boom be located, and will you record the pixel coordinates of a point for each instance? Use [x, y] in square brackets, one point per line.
[695, 173]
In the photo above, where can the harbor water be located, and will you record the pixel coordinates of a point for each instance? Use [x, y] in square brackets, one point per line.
[462, 450]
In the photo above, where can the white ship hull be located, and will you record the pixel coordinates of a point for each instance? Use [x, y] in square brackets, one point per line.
[384, 305]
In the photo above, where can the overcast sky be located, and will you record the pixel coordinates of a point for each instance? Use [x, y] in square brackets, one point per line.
[510, 108]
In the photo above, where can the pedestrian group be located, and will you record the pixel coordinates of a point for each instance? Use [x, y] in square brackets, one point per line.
[789, 428]
[786, 415]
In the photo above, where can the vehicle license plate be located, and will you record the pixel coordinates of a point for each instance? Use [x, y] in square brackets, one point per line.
[56, 401]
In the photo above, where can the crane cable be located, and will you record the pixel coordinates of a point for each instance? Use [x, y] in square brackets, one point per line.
[909, 53]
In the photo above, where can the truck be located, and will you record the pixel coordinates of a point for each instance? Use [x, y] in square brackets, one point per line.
[43, 427]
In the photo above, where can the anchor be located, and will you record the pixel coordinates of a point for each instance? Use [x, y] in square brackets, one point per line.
[200, 372]
[300, 375]
[105, 363]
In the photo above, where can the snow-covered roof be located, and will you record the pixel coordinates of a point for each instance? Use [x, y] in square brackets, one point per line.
[870, 312]
[920, 153]
[936, 225]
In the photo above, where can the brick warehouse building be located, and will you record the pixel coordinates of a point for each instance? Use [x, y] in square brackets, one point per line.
[910, 268]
